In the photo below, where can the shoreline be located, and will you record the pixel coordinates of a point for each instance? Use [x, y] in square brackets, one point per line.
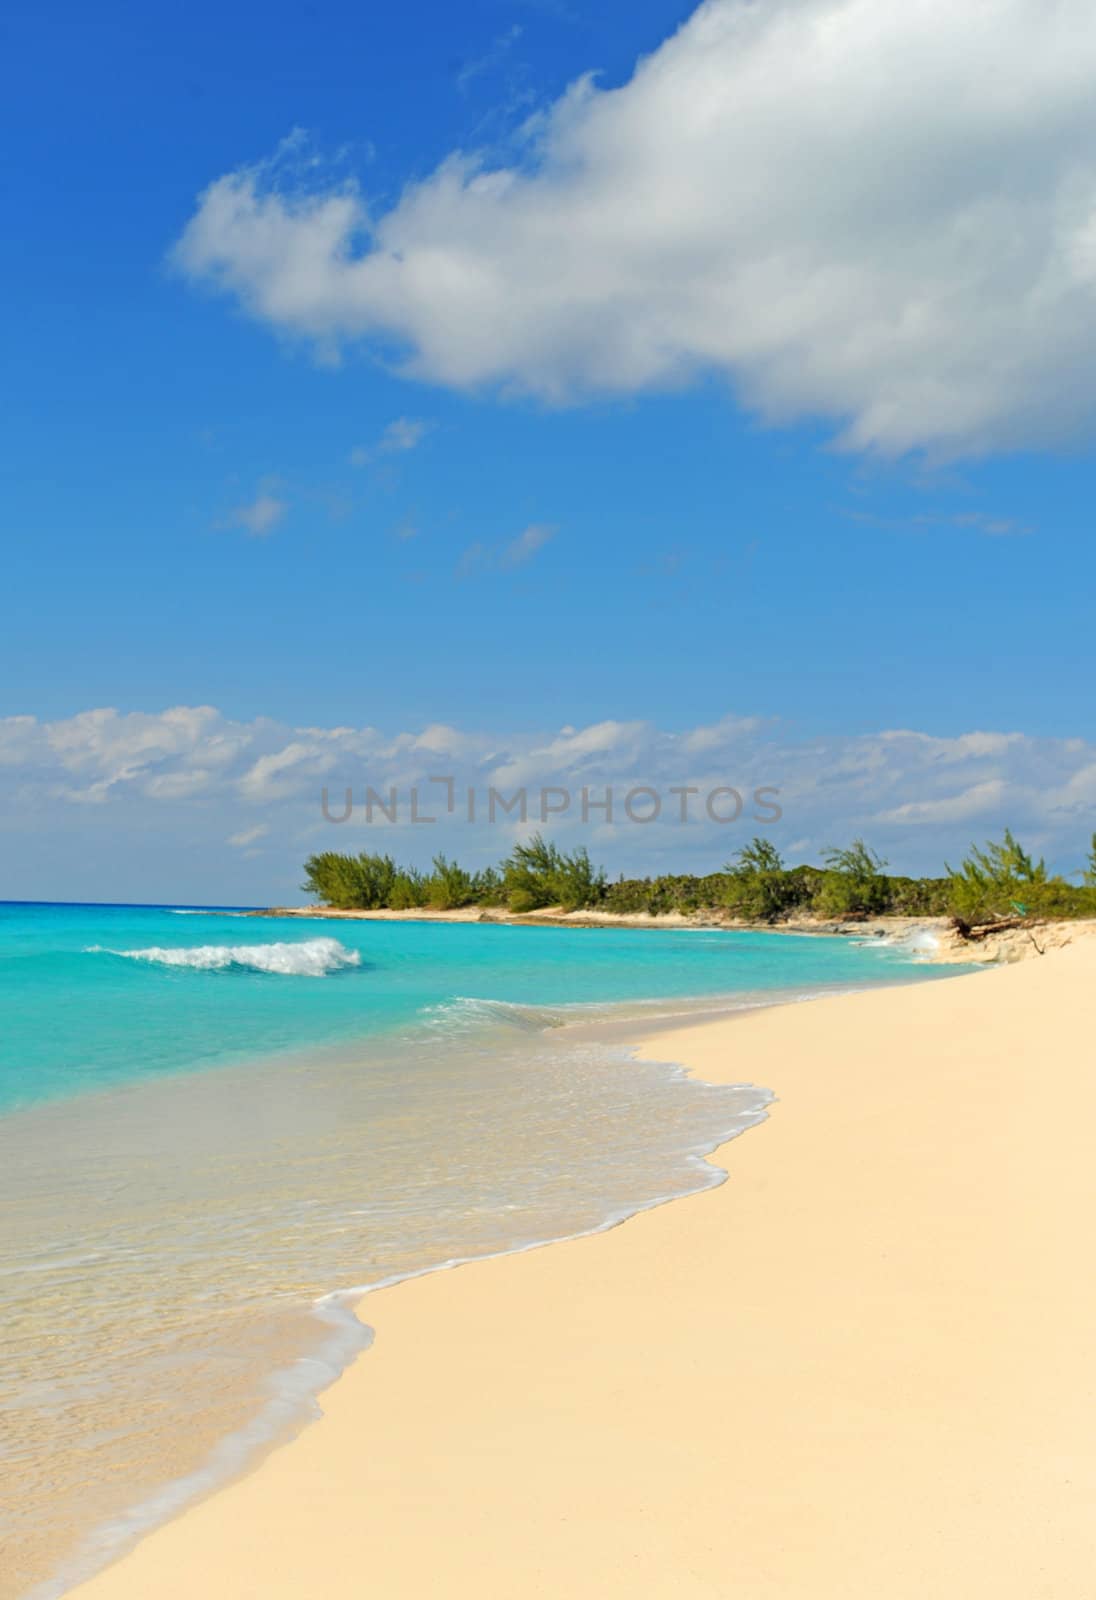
[859, 1367]
[943, 944]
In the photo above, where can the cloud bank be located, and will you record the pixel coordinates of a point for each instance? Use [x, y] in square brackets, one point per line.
[879, 215]
[187, 804]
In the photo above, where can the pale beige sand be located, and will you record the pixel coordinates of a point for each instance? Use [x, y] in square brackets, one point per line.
[863, 1368]
[1032, 938]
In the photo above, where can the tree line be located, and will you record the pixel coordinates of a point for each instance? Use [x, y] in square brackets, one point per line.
[535, 874]
[996, 882]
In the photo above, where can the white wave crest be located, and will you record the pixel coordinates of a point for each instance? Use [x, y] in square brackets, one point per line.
[919, 944]
[312, 958]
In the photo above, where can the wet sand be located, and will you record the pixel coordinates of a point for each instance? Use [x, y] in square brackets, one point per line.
[860, 1368]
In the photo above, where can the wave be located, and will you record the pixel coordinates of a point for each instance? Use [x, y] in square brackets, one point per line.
[914, 944]
[312, 958]
[464, 1012]
[205, 911]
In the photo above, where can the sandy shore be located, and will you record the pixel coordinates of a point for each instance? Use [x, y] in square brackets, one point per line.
[943, 944]
[863, 1368]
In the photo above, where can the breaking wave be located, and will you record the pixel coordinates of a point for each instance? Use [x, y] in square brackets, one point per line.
[913, 944]
[312, 958]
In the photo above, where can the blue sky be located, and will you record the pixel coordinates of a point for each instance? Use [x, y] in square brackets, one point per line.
[719, 483]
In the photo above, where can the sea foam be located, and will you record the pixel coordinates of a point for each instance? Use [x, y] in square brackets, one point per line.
[312, 958]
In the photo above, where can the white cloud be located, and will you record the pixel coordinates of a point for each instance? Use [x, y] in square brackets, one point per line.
[191, 779]
[988, 523]
[980, 800]
[405, 433]
[510, 553]
[246, 836]
[499, 49]
[526, 545]
[279, 774]
[259, 516]
[178, 785]
[572, 751]
[879, 214]
[720, 735]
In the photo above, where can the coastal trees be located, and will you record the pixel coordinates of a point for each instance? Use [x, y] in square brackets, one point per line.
[995, 882]
[450, 886]
[362, 882]
[998, 881]
[854, 883]
[682, 892]
[761, 888]
[409, 889]
[1090, 867]
[537, 873]
[760, 855]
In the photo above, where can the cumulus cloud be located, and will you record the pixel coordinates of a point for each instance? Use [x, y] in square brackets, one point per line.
[880, 215]
[277, 775]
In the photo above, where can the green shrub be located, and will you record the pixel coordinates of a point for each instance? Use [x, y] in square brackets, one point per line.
[539, 874]
[993, 883]
[409, 889]
[853, 883]
[359, 883]
[761, 888]
[449, 886]
[917, 897]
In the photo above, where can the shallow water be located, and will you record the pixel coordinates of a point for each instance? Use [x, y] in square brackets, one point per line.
[177, 1243]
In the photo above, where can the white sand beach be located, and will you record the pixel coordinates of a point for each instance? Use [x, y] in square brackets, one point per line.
[861, 1368]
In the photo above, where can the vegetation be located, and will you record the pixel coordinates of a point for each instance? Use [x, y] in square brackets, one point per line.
[854, 883]
[449, 886]
[998, 882]
[762, 888]
[540, 874]
[536, 874]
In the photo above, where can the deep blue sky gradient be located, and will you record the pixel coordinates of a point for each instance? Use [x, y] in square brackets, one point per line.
[701, 561]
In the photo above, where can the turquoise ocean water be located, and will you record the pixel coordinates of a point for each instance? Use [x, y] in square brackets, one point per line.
[95, 995]
[216, 1131]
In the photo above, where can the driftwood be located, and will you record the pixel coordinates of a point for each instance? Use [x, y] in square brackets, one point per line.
[982, 930]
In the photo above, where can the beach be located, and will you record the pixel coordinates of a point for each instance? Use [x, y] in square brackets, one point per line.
[860, 1367]
[936, 939]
